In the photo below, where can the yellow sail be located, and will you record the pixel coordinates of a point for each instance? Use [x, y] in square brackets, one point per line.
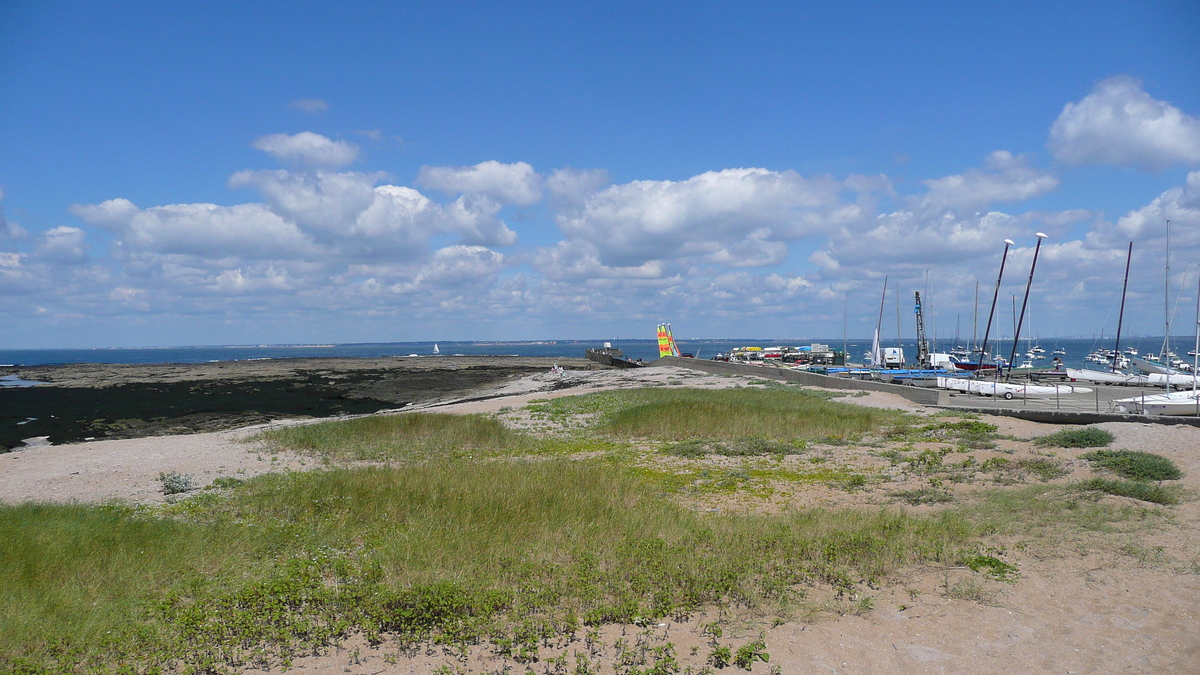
[664, 341]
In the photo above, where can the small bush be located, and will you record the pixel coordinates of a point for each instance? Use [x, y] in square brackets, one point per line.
[748, 653]
[1087, 437]
[1135, 465]
[1145, 492]
[992, 567]
[1042, 467]
[720, 656]
[224, 482]
[174, 483]
[994, 464]
[925, 495]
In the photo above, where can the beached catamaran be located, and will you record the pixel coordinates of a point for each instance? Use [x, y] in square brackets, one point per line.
[666, 341]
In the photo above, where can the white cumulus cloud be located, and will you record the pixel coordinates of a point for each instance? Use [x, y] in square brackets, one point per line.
[62, 245]
[572, 186]
[206, 230]
[308, 149]
[1119, 123]
[1004, 178]
[515, 183]
[735, 217]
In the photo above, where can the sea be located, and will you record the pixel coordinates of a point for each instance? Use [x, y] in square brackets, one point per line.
[647, 349]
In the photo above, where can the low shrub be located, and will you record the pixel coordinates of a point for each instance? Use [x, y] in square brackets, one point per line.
[174, 483]
[1042, 467]
[1135, 465]
[1146, 492]
[1087, 437]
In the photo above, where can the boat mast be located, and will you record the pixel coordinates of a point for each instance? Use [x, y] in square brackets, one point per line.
[995, 296]
[1121, 315]
[899, 345]
[876, 350]
[929, 305]
[845, 309]
[975, 320]
[1166, 348]
[1025, 302]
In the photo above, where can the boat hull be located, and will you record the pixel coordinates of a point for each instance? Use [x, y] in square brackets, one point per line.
[1007, 390]
[1102, 377]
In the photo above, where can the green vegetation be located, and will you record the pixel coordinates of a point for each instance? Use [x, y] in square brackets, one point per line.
[1135, 489]
[1087, 437]
[749, 653]
[466, 531]
[398, 437]
[456, 552]
[925, 495]
[747, 447]
[779, 413]
[1044, 468]
[1135, 465]
[992, 567]
[174, 483]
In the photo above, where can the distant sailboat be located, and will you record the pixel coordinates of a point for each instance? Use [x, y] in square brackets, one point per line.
[435, 349]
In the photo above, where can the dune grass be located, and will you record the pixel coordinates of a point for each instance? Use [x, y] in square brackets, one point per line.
[285, 562]
[1087, 437]
[440, 541]
[1135, 489]
[1135, 464]
[395, 437]
[742, 418]
[732, 415]
[86, 577]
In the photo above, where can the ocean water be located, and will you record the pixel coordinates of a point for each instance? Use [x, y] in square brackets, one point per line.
[646, 349]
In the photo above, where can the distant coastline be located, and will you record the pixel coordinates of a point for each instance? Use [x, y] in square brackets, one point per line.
[643, 348]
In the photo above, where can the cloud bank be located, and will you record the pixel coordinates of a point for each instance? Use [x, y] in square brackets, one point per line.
[498, 247]
[1119, 123]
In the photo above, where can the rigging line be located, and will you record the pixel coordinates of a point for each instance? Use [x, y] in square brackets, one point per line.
[1104, 325]
[1182, 285]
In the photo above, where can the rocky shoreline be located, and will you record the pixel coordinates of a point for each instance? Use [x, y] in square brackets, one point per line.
[78, 402]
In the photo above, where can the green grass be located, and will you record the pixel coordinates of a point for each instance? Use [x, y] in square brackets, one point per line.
[456, 538]
[1044, 468]
[747, 422]
[747, 447]
[87, 576]
[285, 562]
[1135, 489]
[733, 415]
[1087, 437]
[1135, 465]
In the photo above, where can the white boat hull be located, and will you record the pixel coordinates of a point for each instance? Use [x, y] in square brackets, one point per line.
[1180, 403]
[1007, 390]
[1104, 377]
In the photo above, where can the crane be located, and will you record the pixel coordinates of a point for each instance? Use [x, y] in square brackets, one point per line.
[922, 343]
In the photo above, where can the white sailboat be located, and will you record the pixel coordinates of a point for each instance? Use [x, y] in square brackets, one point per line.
[435, 349]
[1175, 403]
[1006, 390]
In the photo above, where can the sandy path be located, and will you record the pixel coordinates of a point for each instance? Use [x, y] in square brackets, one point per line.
[128, 469]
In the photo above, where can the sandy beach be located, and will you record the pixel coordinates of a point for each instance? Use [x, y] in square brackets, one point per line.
[1129, 606]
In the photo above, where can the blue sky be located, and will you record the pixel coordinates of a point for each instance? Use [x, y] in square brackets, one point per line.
[258, 172]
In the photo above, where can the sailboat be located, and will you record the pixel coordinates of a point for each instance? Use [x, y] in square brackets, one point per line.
[1114, 375]
[435, 349]
[984, 356]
